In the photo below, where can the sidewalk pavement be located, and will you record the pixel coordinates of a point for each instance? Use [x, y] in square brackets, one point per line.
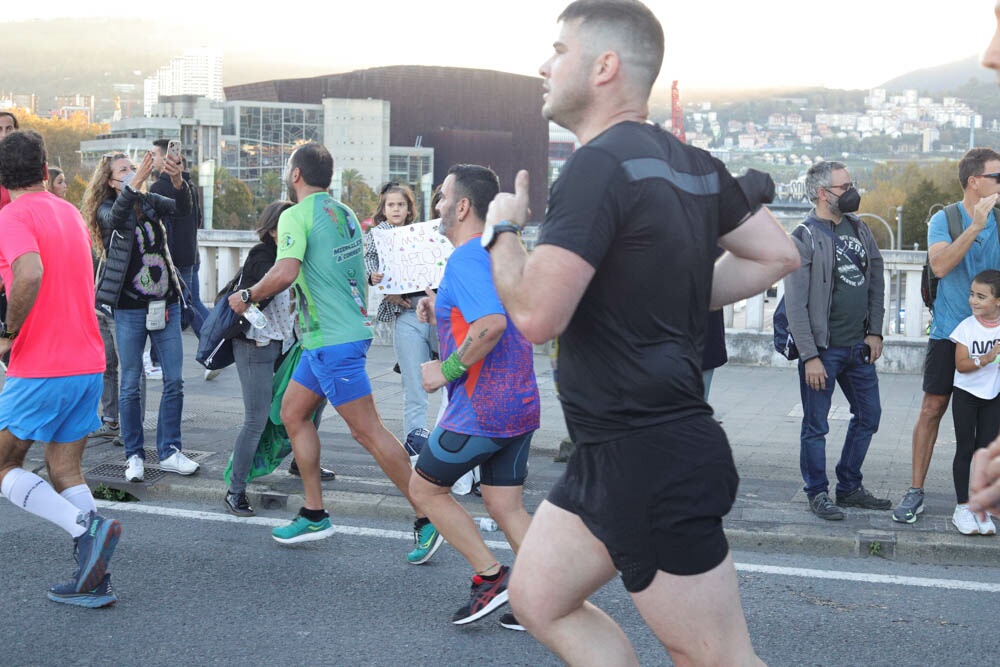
[758, 406]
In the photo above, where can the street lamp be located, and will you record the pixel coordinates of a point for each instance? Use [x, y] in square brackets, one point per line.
[888, 228]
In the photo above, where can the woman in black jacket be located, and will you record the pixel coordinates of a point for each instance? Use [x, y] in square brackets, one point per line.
[139, 285]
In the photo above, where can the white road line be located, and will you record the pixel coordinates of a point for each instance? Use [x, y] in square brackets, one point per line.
[263, 521]
[890, 579]
[953, 584]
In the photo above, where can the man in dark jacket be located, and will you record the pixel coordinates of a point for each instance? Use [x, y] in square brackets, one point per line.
[182, 232]
[836, 307]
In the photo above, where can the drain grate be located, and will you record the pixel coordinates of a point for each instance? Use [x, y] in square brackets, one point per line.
[109, 473]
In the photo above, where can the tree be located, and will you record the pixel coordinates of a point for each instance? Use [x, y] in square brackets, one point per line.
[233, 205]
[356, 193]
[915, 187]
[62, 141]
[270, 186]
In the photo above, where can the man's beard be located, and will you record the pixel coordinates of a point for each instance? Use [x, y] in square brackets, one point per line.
[292, 196]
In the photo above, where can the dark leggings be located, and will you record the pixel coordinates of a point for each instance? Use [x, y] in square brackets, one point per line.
[977, 422]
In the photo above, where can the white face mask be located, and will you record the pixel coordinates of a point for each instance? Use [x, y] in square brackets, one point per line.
[126, 178]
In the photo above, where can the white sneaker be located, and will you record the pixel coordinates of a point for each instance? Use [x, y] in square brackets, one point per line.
[179, 464]
[986, 527]
[154, 373]
[965, 520]
[134, 469]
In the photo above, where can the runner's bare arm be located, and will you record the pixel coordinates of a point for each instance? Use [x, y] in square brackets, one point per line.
[540, 291]
[23, 290]
[759, 254]
[279, 277]
[483, 336]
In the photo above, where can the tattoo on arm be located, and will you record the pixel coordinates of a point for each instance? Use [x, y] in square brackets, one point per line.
[466, 344]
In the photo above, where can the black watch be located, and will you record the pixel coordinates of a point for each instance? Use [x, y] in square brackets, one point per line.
[245, 296]
[6, 333]
[492, 232]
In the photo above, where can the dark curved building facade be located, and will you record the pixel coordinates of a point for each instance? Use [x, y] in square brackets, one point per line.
[466, 115]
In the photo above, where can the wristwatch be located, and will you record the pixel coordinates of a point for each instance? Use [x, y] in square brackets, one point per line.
[6, 333]
[978, 362]
[492, 232]
[245, 295]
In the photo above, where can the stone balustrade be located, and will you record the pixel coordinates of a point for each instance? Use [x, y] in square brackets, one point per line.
[749, 333]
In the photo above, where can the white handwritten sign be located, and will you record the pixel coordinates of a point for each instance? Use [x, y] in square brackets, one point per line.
[412, 257]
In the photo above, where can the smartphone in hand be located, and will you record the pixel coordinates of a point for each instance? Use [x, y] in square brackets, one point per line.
[174, 149]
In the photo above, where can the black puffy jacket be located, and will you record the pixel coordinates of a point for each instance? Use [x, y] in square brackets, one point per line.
[118, 219]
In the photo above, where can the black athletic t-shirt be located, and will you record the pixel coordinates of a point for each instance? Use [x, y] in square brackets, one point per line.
[646, 212]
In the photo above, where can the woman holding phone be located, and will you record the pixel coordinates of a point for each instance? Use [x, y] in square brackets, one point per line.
[138, 284]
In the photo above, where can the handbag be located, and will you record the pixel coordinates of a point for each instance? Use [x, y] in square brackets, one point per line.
[215, 347]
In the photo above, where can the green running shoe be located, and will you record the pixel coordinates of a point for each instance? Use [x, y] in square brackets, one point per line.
[302, 529]
[428, 541]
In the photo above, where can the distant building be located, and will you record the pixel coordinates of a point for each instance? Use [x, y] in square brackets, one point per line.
[464, 115]
[198, 72]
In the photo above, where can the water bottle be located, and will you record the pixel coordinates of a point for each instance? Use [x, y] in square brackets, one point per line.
[253, 315]
[486, 523]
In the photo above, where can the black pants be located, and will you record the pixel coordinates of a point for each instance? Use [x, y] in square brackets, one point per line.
[977, 422]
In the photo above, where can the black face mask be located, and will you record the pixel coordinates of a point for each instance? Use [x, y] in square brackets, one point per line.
[849, 202]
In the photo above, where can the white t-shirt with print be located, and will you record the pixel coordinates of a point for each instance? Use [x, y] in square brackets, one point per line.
[984, 382]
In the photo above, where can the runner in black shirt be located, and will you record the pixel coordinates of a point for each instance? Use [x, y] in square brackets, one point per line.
[623, 274]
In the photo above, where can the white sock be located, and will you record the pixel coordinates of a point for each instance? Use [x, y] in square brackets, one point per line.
[32, 493]
[81, 497]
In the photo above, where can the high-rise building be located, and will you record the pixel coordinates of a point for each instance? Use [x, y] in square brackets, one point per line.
[198, 72]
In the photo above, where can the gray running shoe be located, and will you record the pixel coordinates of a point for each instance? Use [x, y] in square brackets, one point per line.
[860, 497]
[823, 507]
[909, 507]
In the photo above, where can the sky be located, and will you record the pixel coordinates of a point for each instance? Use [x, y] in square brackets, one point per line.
[710, 43]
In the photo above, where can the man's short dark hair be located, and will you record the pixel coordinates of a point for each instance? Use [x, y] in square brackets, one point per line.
[162, 144]
[629, 27]
[314, 163]
[12, 117]
[22, 160]
[477, 184]
[973, 163]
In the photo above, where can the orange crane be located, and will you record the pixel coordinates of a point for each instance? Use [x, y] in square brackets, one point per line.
[676, 113]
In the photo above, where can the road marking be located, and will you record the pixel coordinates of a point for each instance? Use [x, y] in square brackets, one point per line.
[264, 521]
[953, 584]
[806, 573]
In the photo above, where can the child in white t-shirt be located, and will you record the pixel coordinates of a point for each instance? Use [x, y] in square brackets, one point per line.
[975, 405]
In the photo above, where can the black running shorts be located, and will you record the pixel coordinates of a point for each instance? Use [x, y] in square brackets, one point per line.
[655, 498]
[448, 455]
[939, 367]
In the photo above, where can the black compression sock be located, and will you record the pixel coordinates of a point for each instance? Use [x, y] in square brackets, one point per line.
[313, 515]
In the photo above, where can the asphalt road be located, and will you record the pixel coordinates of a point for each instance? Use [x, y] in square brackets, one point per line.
[198, 587]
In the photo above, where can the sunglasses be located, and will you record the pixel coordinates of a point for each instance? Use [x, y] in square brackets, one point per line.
[994, 176]
[388, 186]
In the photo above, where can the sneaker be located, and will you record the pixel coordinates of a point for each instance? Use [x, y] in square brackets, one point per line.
[965, 520]
[107, 430]
[238, 504]
[154, 373]
[860, 497]
[487, 597]
[179, 463]
[909, 507]
[508, 621]
[212, 374]
[302, 529]
[134, 469]
[325, 474]
[93, 552]
[823, 507]
[986, 527]
[101, 596]
[428, 541]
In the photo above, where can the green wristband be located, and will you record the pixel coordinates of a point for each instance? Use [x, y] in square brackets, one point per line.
[452, 368]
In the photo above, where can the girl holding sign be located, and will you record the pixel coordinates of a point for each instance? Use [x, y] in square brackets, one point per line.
[413, 341]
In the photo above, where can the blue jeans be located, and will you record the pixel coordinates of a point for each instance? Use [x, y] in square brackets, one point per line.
[859, 382]
[130, 334]
[414, 343]
[189, 274]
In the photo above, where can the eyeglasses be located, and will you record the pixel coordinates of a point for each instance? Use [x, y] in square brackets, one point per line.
[995, 177]
[843, 187]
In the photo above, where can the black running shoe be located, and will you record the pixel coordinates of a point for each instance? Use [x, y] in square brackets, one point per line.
[862, 497]
[487, 597]
[508, 621]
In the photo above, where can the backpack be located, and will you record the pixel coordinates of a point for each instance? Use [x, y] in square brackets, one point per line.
[929, 281]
